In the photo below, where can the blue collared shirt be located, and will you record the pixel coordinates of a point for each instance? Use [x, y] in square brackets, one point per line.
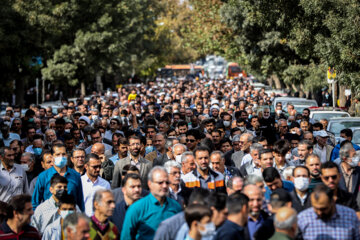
[144, 216]
[42, 187]
[253, 226]
[344, 224]
[115, 158]
[287, 185]
[336, 151]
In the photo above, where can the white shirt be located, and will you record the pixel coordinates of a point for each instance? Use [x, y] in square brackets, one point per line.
[247, 158]
[321, 152]
[89, 189]
[257, 170]
[13, 182]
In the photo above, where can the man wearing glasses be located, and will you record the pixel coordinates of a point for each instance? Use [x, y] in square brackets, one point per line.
[144, 216]
[91, 181]
[330, 176]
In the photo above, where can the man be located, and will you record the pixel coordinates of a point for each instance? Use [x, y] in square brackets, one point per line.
[168, 153]
[198, 217]
[254, 166]
[182, 127]
[304, 150]
[18, 148]
[100, 226]
[96, 138]
[217, 161]
[45, 213]
[13, 179]
[50, 136]
[134, 158]
[177, 151]
[17, 225]
[131, 189]
[285, 224]
[144, 216]
[7, 136]
[253, 154]
[280, 149]
[159, 143]
[176, 188]
[273, 181]
[300, 196]
[203, 176]
[345, 134]
[67, 206]
[78, 159]
[236, 147]
[42, 187]
[115, 127]
[91, 181]
[246, 140]
[107, 166]
[28, 164]
[187, 163]
[313, 163]
[321, 148]
[47, 161]
[326, 219]
[349, 169]
[216, 138]
[192, 139]
[330, 176]
[76, 226]
[122, 146]
[233, 227]
[266, 160]
[256, 216]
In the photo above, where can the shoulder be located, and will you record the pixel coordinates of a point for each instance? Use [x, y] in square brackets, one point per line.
[177, 218]
[305, 215]
[174, 204]
[345, 211]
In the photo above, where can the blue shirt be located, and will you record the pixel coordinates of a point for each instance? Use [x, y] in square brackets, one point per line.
[336, 150]
[253, 226]
[42, 187]
[144, 216]
[287, 185]
[115, 158]
[344, 224]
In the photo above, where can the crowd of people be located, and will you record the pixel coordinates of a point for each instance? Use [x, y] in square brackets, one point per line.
[178, 160]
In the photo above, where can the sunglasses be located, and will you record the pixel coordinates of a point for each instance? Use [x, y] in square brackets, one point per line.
[190, 140]
[333, 177]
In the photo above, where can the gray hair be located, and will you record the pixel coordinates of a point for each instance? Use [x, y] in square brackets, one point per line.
[72, 220]
[218, 153]
[250, 137]
[178, 144]
[30, 155]
[185, 154]
[253, 179]
[288, 172]
[286, 224]
[50, 130]
[171, 164]
[155, 169]
[169, 142]
[98, 195]
[344, 151]
[231, 181]
[256, 147]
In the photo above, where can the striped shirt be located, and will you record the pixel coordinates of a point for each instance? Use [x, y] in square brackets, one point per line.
[27, 233]
[214, 181]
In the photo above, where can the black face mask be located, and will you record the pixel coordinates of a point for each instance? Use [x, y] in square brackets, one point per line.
[60, 193]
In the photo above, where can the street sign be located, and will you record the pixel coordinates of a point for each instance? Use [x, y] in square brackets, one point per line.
[331, 75]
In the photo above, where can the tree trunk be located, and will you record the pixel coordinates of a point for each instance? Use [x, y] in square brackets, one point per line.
[278, 83]
[19, 91]
[342, 96]
[82, 88]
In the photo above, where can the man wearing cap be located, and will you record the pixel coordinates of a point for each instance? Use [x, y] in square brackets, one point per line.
[321, 148]
[345, 134]
[354, 109]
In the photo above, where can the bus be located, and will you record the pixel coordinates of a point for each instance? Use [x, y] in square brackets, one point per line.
[233, 70]
[181, 70]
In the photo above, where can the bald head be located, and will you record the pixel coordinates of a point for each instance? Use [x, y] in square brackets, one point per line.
[286, 221]
[98, 148]
[255, 196]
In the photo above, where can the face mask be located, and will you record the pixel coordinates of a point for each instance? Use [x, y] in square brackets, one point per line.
[89, 138]
[25, 167]
[149, 149]
[7, 123]
[37, 151]
[67, 130]
[226, 123]
[60, 193]
[354, 161]
[301, 183]
[279, 111]
[209, 230]
[178, 159]
[65, 104]
[255, 105]
[31, 120]
[250, 116]
[341, 139]
[94, 117]
[65, 213]
[16, 114]
[138, 115]
[242, 129]
[60, 162]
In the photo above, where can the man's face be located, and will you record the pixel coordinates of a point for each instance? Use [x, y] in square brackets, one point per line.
[217, 163]
[58, 186]
[277, 183]
[266, 160]
[93, 167]
[82, 124]
[304, 126]
[190, 142]
[314, 165]
[50, 136]
[278, 157]
[303, 151]
[25, 217]
[216, 137]
[322, 206]
[309, 137]
[255, 200]
[225, 147]
[244, 143]
[159, 186]
[16, 124]
[47, 161]
[134, 147]
[8, 157]
[237, 146]
[182, 130]
[16, 148]
[255, 123]
[69, 144]
[123, 149]
[344, 136]
[107, 204]
[174, 176]
[322, 140]
[30, 134]
[254, 155]
[218, 216]
[114, 125]
[132, 189]
[330, 177]
[202, 159]
[283, 127]
[215, 112]
[59, 152]
[305, 113]
[324, 123]
[96, 138]
[159, 142]
[210, 127]
[189, 165]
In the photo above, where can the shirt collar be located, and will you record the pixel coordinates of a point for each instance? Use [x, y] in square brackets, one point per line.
[88, 179]
[154, 201]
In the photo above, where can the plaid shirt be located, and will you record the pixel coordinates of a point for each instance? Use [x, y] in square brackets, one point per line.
[343, 225]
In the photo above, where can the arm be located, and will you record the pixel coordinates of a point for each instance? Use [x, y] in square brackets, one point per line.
[80, 195]
[116, 181]
[38, 195]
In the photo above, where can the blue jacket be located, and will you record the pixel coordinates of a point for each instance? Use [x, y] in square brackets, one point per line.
[287, 185]
[335, 152]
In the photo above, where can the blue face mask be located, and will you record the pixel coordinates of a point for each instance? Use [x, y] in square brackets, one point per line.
[31, 120]
[60, 162]
[149, 149]
[37, 151]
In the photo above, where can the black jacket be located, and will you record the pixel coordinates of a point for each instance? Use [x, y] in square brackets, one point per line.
[296, 203]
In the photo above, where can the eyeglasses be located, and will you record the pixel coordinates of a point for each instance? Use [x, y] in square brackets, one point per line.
[333, 177]
[190, 140]
[113, 123]
[175, 173]
[162, 182]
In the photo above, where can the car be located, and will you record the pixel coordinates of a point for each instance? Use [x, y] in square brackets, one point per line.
[337, 124]
[324, 113]
[356, 135]
[299, 103]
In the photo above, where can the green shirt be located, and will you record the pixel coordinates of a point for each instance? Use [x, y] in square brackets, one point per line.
[314, 182]
[144, 216]
[280, 236]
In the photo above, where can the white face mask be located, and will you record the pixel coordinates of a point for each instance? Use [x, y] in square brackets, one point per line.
[354, 161]
[288, 156]
[178, 159]
[226, 123]
[242, 129]
[301, 183]
[209, 230]
[278, 111]
[65, 213]
[25, 167]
